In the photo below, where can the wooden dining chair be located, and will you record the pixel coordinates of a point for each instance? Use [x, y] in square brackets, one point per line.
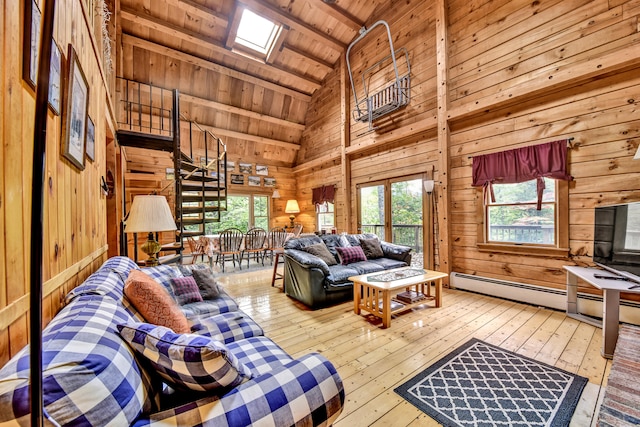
[230, 244]
[296, 230]
[254, 244]
[275, 241]
[197, 248]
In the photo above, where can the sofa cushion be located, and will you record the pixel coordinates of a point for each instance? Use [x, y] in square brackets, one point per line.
[154, 303]
[259, 354]
[227, 327]
[350, 255]
[321, 251]
[388, 263]
[302, 242]
[354, 239]
[366, 267]
[89, 374]
[185, 361]
[340, 273]
[371, 248]
[186, 290]
[207, 284]
[223, 304]
[333, 241]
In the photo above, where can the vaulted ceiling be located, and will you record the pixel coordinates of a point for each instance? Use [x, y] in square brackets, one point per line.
[257, 104]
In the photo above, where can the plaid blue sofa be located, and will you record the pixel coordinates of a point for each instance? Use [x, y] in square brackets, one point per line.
[91, 376]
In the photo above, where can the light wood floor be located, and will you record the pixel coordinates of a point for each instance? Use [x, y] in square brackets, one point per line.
[373, 361]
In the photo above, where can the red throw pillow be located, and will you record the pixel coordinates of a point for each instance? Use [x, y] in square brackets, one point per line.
[154, 302]
[350, 254]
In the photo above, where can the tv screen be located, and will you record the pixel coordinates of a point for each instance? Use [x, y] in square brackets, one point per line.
[616, 240]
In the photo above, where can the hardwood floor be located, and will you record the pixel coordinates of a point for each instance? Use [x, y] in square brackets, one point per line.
[373, 361]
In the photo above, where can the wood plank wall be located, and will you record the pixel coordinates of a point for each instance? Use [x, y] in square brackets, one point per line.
[520, 73]
[74, 209]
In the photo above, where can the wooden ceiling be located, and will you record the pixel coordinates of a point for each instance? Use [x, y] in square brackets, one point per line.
[257, 105]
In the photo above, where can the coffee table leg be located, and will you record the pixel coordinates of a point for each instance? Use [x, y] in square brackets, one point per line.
[357, 295]
[439, 293]
[386, 308]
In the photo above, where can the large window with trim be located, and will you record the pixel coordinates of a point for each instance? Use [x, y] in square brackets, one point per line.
[243, 212]
[512, 223]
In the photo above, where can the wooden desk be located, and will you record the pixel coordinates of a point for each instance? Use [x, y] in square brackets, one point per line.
[375, 296]
[610, 304]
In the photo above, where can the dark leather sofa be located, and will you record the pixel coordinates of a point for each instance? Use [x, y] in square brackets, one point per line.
[311, 281]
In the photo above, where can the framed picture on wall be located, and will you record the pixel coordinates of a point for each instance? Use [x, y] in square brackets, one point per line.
[253, 181]
[75, 113]
[91, 140]
[269, 182]
[262, 170]
[31, 42]
[55, 80]
[237, 179]
[245, 167]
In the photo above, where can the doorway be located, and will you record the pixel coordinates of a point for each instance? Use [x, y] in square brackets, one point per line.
[393, 209]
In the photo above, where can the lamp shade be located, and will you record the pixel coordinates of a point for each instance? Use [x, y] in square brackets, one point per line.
[149, 214]
[428, 185]
[276, 194]
[292, 207]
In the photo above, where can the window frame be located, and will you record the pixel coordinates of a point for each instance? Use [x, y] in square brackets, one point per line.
[561, 247]
[332, 212]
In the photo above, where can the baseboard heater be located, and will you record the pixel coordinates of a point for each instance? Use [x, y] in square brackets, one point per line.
[588, 304]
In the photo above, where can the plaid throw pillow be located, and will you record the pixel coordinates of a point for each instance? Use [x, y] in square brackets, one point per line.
[350, 254]
[186, 361]
[186, 290]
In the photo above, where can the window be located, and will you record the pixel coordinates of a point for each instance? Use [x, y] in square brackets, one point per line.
[256, 33]
[512, 223]
[325, 217]
[243, 212]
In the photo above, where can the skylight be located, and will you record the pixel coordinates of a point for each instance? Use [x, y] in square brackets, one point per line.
[255, 32]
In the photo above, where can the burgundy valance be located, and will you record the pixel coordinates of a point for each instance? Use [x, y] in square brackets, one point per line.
[324, 194]
[520, 165]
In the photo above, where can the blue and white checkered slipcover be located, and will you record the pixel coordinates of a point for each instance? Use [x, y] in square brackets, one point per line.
[92, 377]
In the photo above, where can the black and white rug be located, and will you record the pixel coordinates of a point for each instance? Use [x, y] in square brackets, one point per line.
[480, 384]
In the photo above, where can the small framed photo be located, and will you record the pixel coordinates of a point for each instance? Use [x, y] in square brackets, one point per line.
[55, 80]
[169, 173]
[262, 170]
[269, 182]
[245, 167]
[253, 181]
[231, 166]
[91, 140]
[237, 179]
[76, 112]
[31, 43]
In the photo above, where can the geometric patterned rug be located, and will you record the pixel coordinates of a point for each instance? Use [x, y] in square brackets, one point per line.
[480, 384]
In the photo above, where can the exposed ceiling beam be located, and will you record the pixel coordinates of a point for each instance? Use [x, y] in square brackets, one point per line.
[240, 111]
[197, 9]
[248, 137]
[297, 53]
[204, 63]
[275, 14]
[193, 37]
[339, 14]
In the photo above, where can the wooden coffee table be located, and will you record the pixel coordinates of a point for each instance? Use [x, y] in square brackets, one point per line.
[376, 297]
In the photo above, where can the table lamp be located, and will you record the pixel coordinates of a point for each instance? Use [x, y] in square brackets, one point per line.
[291, 208]
[150, 214]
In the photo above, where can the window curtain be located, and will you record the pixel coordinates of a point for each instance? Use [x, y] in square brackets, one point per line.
[323, 195]
[520, 165]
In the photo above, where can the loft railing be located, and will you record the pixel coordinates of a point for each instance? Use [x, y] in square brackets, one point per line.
[144, 108]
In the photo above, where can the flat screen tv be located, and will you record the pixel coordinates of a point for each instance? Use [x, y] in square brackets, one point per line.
[616, 242]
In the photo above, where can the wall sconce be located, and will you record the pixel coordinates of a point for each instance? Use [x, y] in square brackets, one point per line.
[637, 156]
[428, 185]
[291, 208]
[275, 195]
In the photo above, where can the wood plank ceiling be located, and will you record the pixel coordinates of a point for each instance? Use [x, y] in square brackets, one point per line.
[257, 105]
